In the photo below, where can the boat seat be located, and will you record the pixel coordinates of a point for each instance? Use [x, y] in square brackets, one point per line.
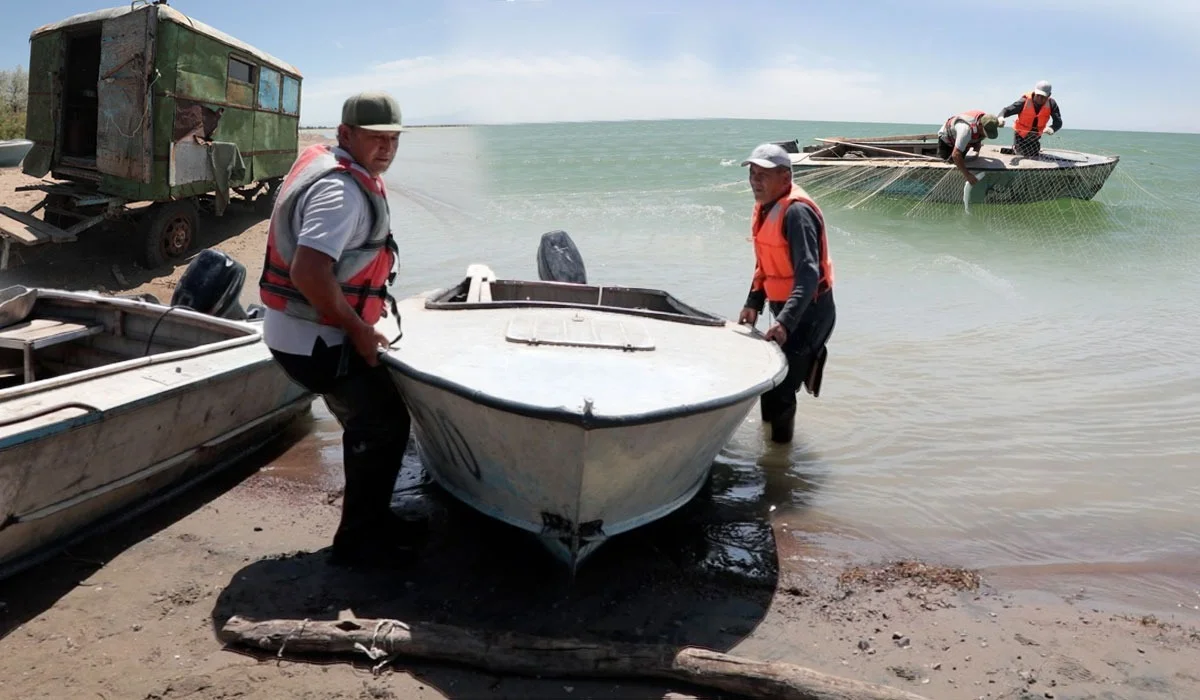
[40, 333]
[480, 288]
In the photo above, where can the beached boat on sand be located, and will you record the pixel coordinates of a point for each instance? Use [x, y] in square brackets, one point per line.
[573, 411]
[110, 405]
[12, 152]
[908, 166]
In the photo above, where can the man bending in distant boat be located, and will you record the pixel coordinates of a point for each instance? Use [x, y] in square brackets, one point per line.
[963, 132]
[1037, 114]
[329, 259]
[793, 271]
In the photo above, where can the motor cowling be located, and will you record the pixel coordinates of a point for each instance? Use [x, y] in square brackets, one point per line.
[211, 284]
[558, 260]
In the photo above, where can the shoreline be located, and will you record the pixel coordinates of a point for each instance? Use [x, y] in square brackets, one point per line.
[137, 611]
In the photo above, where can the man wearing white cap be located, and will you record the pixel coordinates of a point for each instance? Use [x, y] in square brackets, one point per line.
[793, 272]
[1035, 110]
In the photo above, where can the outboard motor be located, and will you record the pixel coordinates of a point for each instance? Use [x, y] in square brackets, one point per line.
[211, 284]
[558, 259]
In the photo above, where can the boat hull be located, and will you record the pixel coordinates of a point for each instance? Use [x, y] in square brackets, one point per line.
[80, 456]
[12, 152]
[571, 486]
[571, 411]
[1006, 178]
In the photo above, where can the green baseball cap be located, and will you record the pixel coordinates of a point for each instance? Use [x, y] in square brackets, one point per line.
[376, 111]
[990, 125]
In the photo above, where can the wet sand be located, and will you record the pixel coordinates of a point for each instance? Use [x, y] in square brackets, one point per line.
[132, 614]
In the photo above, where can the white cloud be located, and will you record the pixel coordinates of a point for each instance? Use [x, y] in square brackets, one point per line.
[1176, 19]
[509, 88]
[522, 88]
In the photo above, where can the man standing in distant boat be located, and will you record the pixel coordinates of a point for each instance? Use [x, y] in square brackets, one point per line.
[329, 259]
[963, 132]
[793, 272]
[1037, 114]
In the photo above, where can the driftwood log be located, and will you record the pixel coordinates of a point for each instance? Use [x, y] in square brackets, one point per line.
[528, 655]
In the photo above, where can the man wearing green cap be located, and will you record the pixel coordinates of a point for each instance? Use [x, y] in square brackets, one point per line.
[963, 132]
[329, 260]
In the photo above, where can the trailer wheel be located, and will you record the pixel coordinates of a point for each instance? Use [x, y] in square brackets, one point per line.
[168, 231]
[58, 201]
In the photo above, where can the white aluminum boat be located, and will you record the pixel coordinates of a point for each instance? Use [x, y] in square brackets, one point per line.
[575, 412]
[109, 405]
[12, 152]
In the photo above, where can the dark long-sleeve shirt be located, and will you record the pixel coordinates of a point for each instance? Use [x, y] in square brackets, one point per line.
[1016, 107]
[801, 229]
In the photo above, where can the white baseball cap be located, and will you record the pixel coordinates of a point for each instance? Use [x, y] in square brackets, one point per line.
[769, 155]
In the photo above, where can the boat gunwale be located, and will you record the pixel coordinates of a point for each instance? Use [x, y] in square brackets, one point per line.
[98, 415]
[438, 300]
[249, 334]
[802, 158]
[916, 162]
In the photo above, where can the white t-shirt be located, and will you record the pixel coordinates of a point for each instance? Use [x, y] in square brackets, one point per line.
[332, 215]
[962, 135]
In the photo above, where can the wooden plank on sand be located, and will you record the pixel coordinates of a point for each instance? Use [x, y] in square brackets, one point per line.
[29, 229]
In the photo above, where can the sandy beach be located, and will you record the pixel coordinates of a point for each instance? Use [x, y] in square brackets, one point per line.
[134, 613]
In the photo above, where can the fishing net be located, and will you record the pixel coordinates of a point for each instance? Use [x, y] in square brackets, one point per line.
[1093, 213]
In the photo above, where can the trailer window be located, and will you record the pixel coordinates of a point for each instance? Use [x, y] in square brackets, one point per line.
[268, 89]
[239, 89]
[241, 71]
[291, 95]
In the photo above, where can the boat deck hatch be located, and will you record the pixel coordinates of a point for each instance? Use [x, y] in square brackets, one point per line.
[580, 331]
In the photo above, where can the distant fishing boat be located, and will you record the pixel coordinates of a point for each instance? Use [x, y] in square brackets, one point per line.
[13, 151]
[908, 166]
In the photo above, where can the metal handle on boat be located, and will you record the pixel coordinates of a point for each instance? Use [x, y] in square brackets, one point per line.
[749, 330]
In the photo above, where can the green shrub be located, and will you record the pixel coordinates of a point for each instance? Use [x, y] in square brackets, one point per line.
[12, 125]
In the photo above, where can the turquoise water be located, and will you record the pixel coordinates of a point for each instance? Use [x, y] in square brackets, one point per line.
[1013, 387]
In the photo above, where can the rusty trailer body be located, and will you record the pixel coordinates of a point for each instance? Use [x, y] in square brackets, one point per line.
[141, 113]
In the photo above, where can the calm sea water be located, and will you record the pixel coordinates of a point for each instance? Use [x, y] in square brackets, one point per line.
[1015, 388]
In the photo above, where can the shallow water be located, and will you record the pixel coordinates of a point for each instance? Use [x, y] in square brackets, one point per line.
[1013, 388]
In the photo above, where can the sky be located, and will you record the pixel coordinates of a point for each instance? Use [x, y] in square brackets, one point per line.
[1119, 65]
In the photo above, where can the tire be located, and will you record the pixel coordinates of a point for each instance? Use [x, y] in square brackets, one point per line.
[168, 231]
[58, 201]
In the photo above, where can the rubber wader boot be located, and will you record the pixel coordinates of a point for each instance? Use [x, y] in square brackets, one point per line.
[369, 533]
[783, 425]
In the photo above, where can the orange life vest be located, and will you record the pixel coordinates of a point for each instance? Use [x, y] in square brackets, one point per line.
[1031, 118]
[773, 259]
[971, 117]
[362, 272]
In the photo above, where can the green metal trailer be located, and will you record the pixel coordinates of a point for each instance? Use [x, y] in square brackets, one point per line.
[143, 114]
